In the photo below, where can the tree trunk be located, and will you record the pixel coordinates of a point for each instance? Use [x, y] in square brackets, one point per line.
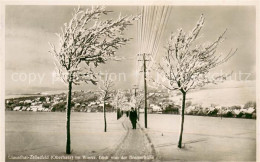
[105, 121]
[68, 149]
[182, 118]
[117, 114]
[138, 113]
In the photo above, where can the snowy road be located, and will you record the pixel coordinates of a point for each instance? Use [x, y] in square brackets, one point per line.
[136, 145]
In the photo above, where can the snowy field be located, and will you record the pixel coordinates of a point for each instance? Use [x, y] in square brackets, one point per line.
[229, 93]
[205, 138]
[233, 96]
[35, 133]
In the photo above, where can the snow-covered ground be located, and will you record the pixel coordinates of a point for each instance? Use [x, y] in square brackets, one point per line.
[204, 138]
[35, 133]
[223, 97]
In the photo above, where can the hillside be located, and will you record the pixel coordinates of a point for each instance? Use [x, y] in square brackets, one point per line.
[226, 94]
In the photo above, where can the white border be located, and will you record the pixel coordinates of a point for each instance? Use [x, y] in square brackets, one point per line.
[2, 83]
[3, 3]
[257, 81]
[131, 2]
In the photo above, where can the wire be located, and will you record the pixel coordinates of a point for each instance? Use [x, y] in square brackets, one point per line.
[150, 30]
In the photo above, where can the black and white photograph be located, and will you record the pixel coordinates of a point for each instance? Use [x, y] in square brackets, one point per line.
[129, 82]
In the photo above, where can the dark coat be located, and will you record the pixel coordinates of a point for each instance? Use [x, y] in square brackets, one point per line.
[133, 115]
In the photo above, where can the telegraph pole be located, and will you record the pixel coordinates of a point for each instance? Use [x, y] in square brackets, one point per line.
[135, 88]
[145, 94]
[145, 89]
[138, 109]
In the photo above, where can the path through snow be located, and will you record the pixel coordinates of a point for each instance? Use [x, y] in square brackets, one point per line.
[136, 145]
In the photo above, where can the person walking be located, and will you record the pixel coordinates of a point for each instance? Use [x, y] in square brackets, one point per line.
[133, 117]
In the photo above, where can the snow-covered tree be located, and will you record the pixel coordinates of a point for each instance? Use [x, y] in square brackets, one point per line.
[119, 100]
[139, 99]
[106, 91]
[186, 63]
[84, 43]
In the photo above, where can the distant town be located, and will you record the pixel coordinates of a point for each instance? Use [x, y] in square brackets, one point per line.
[159, 102]
[81, 102]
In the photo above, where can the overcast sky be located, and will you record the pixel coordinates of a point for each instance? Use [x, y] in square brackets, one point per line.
[30, 28]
